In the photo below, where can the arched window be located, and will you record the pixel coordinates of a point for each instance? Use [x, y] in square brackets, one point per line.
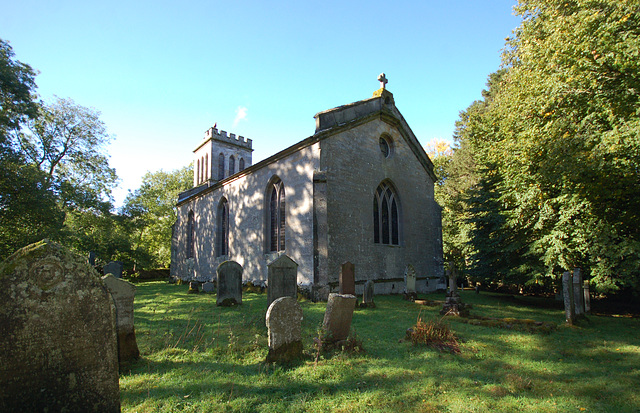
[191, 235]
[198, 172]
[222, 245]
[220, 167]
[386, 216]
[206, 166]
[232, 165]
[277, 213]
[241, 164]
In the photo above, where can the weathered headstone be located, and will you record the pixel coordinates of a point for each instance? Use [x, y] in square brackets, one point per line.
[282, 279]
[338, 315]
[347, 281]
[194, 287]
[123, 293]
[578, 295]
[58, 347]
[284, 321]
[453, 305]
[410, 283]
[114, 267]
[208, 287]
[587, 297]
[229, 284]
[567, 294]
[368, 293]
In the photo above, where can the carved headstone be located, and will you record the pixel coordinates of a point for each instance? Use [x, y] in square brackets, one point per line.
[578, 295]
[284, 321]
[58, 347]
[567, 293]
[368, 293]
[410, 283]
[208, 287]
[453, 305]
[114, 267]
[338, 315]
[282, 279]
[123, 293]
[347, 279]
[229, 284]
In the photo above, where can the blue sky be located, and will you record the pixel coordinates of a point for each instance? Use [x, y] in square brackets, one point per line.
[163, 72]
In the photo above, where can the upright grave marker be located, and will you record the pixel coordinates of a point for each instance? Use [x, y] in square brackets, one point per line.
[58, 347]
[282, 279]
[347, 278]
[284, 321]
[114, 267]
[229, 284]
[338, 315]
[123, 293]
[578, 294]
[567, 293]
[410, 283]
[368, 293]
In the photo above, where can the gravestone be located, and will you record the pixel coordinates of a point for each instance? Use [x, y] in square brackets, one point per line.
[284, 321]
[578, 295]
[587, 297]
[367, 295]
[123, 293]
[229, 284]
[114, 267]
[58, 347]
[453, 305]
[410, 283]
[347, 279]
[194, 287]
[92, 258]
[208, 287]
[338, 315]
[567, 294]
[282, 279]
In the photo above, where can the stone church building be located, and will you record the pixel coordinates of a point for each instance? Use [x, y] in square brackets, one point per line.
[360, 190]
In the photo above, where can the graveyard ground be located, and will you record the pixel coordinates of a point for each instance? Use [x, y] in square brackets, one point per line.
[197, 357]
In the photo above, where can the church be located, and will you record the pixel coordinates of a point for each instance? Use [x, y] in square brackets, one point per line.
[360, 189]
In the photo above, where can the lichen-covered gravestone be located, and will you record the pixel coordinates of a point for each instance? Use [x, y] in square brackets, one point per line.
[58, 345]
[347, 281]
[284, 320]
[114, 267]
[208, 287]
[229, 284]
[282, 279]
[338, 315]
[123, 293]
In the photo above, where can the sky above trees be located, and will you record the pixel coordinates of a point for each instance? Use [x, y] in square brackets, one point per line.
[161, 73]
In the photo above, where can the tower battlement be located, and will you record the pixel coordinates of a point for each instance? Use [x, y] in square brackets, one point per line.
[212, 133]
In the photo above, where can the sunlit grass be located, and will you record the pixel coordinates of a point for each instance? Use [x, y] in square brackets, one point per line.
[199, 357]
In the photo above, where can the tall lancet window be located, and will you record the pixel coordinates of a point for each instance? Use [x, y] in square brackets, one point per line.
[220, 167]
[386, 216]
[241, 164]
[277, 214]
[191, 235]
[206, 166]
[232, 165]
[222, 247]
[198, 172]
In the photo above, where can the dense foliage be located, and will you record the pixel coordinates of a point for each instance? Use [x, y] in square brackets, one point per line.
[545, 175]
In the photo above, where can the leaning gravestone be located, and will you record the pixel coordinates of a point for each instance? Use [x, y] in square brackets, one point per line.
[282, 279]
[367, 295]
[337, 317]
[114, 267]
[58, 347]
[229, 284]
[284, 320]
[347, 281]
[123, 293]
[410, 283]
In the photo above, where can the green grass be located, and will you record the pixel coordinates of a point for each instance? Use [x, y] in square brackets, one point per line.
[197, 357]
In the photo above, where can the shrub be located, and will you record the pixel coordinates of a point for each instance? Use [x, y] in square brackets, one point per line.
[434, 333]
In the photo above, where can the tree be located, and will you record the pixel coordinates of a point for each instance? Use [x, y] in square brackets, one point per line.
[152, 209]
[67, 142]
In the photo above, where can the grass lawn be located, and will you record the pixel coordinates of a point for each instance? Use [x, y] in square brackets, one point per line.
[197, 357]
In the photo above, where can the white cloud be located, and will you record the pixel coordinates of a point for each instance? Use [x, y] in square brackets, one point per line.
[241, 114]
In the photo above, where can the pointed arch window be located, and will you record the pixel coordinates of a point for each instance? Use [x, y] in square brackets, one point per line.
[206, 166]
[386, 216]
[198, 172]
[232, 165]
[222, 247]
[241, 164]
[220, 167]
[191, 235]
[277, 216]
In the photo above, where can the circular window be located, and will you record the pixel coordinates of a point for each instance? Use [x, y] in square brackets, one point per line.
[385, 147]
